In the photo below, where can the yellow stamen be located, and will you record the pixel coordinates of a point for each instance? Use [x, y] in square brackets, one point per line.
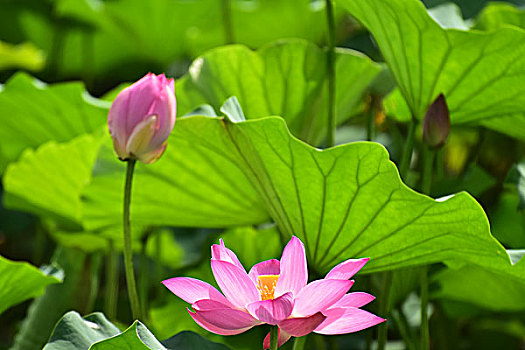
[266, 285]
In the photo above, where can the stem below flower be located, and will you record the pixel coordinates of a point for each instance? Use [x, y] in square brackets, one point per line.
[128, 253]
[298, 343]
[330, 141]
[227, 21]
[274, 335]
[112, 269]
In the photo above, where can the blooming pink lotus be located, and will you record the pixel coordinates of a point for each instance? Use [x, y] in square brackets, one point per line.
[142, 117]
[276, 293]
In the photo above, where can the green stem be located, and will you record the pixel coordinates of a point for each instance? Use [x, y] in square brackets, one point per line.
[407, 150]
[227, 21]
[298, 343]
[330, 62]
[425, 333]
[404, 328]
[143, 277]
[159, 270]
[274, 335]
[112, 269]
[370, 130]
[382, 333]
[128, 253]
[428, 165]
[426, 186]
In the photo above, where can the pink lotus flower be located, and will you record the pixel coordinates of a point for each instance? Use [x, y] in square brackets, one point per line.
[276, 293]
[142, 117]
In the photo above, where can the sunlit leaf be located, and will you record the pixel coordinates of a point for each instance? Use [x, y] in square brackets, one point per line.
[482, 287]
[499, 14]
[32, 113]
[480, 74]
[343, 202]
[287, 79]
[49, 181]
[21, 281]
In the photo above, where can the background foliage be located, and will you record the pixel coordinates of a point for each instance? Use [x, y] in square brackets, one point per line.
[252, 169]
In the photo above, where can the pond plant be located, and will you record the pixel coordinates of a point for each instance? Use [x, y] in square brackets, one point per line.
[384, 137]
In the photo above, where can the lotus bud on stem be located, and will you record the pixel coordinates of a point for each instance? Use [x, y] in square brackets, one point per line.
[140, 120]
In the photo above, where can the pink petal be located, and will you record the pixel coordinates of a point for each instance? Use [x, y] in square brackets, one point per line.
[272, 311]
[214, 329]
[220, 252]
[235, 283]
[268, 267]
[281, 339]
[294, 272]
[190, 290]
[347, 269]
[302, 326]
[164, 107]
[228, 319]
[347, 320]
[208, 304]
[356, 299]
[320, 295]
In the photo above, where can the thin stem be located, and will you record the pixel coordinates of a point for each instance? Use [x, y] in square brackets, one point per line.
[158, 257]
[330, 62]
[298, 343]
[143, 277]
[404, 328]
[407, 150]
[274, 335]
[227, 21]
[425, 333]
[428, 166]
[128, 253]
[112, 269]
[370, 130]
[382, 333]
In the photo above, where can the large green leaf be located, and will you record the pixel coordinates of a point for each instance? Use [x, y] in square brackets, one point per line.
[343, 202]
[46, 310]
[196, 183]
[49, 181]
[483, 287]
[76, 332]
[286, 78]
[32, 113]
[480, 74]
[499, 14]
[20, 281]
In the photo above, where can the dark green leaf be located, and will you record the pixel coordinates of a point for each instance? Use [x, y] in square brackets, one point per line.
[20, 281]
[79, 333]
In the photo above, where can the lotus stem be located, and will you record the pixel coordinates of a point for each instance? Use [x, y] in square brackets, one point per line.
[274, 335]
[128, 253]
[330, 62]
[227, 21]
[112, 268]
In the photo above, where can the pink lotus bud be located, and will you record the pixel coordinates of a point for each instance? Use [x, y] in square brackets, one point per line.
[142, 117]
[436, 124]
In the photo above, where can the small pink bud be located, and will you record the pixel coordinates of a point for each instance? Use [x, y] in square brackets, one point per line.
[436, 124]
[142, 117]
